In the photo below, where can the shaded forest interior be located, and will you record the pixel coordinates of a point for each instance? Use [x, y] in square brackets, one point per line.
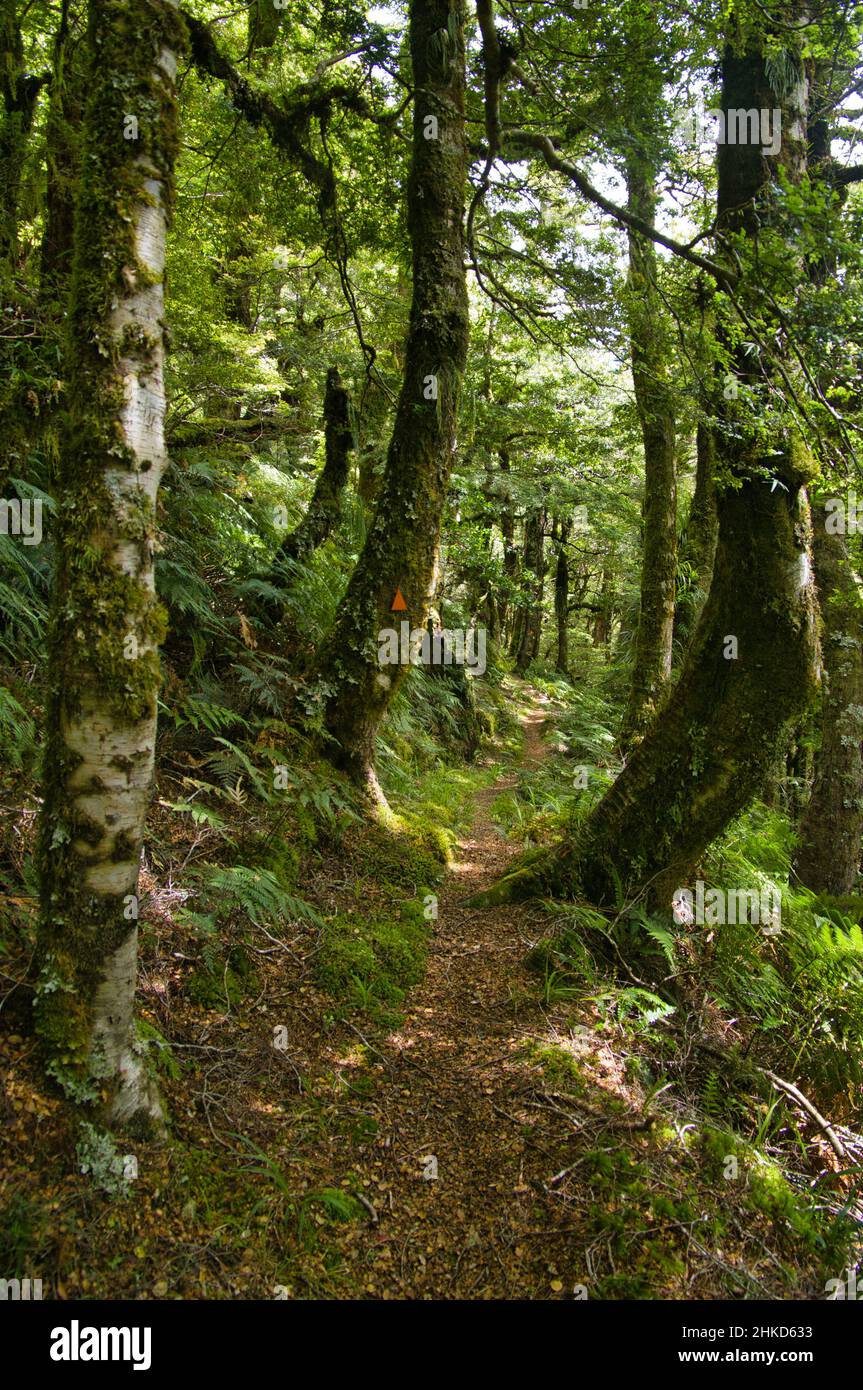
[431, 649]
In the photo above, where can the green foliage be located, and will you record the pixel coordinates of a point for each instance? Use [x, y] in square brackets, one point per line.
[17, 732]
[160, 1049]
[22, 1224]
[257, 893]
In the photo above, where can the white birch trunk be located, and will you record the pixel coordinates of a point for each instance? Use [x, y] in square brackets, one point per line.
[104, 656]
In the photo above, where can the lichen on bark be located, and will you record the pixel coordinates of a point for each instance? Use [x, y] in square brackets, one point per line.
[401, 550]
[106, 623]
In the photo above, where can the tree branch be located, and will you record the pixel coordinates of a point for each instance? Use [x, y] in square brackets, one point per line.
[554, 160]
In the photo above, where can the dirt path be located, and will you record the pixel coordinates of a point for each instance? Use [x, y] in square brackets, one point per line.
[462, 1209]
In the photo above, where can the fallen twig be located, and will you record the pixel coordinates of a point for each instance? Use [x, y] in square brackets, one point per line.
[798, 1096]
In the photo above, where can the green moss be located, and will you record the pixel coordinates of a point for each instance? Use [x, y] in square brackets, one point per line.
[374, 958]
[97, 605]
[559, 1067]
[398, 853]
[272, 852]
[225, 978]
[803, 1230]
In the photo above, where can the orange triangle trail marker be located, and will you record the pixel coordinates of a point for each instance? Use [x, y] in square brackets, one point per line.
[399, 604]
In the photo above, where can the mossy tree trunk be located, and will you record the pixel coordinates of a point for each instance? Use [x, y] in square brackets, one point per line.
[263, 24]
[718, 735]
[648, 349]
[103, 664]
[828, 857]
[701, 537]
[832, 824]
[401, 550]
[324, 511]
[698, 544]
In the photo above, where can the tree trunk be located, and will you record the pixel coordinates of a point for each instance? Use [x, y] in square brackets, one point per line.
[510, 553]
[701, 523]
[828, 857]
[716, 738]
[698, 547]
[652, 667]
[325, 509]
[829, 853]
[401, 550]
[601, 629]
[263, 24]
[561, 605]
[103, 664]
[530, 631]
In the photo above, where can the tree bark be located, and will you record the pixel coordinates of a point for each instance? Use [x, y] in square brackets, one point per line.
[829, 854]
[828, 857]
[652, 666]
[717, 736]
[103, 664]
[698, 545]
[701, 524]
[401, 550]
[263, 24]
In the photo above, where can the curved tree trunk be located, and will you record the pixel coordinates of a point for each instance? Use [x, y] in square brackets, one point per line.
[325, 509]
[107, 624]
[717, 737]
[401, 550]
[832, 824]
[652, 666]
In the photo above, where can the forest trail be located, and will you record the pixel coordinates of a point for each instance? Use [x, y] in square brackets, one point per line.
[458, 1066]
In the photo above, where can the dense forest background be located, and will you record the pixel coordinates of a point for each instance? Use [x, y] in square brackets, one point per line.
[431, 648]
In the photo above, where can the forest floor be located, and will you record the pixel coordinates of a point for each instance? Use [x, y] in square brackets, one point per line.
[501, 1135]
[458, 1176]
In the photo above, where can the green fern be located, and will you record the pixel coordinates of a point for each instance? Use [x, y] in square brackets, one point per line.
[258, 893]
